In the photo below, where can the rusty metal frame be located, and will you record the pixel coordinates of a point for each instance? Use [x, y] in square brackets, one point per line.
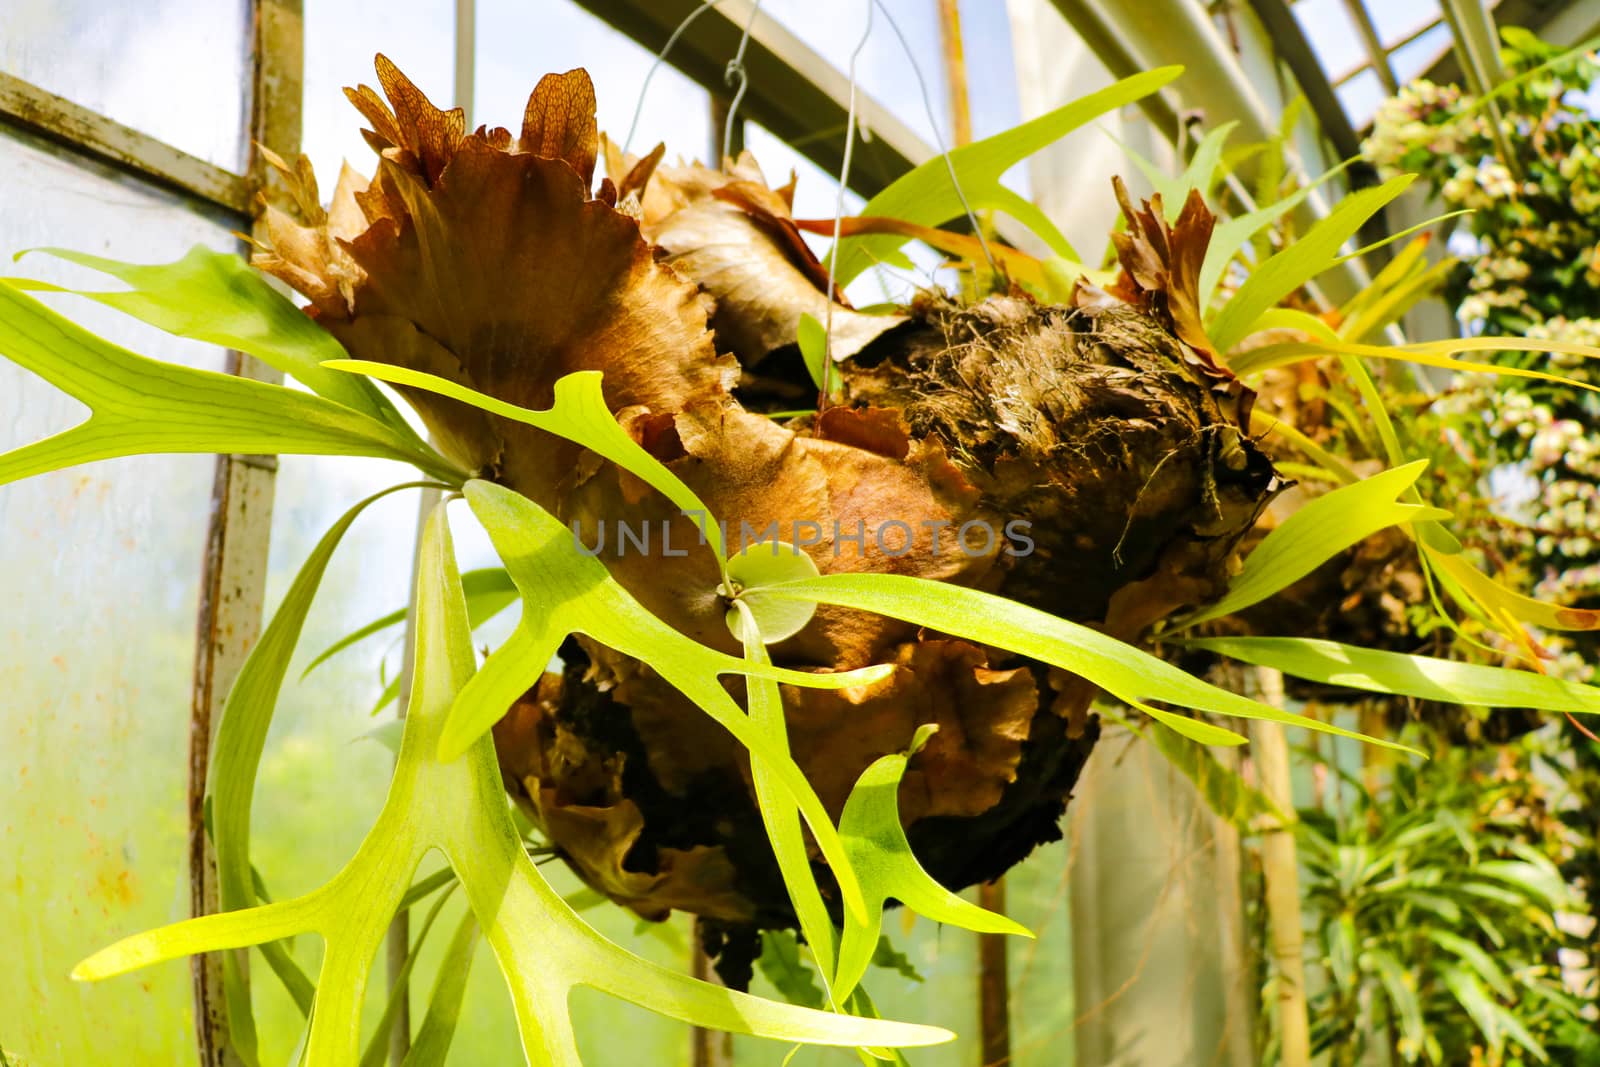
[233, 584]
[73, 126]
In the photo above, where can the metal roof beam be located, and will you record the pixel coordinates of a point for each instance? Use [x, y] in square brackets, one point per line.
[1157, 32]
[793, 91]
[1376, 53]
[1289, 39]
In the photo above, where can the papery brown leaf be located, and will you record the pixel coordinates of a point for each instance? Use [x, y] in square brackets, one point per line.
[431, 135]
[983, 717]
[498, 227]
[1163, 264]
[730, 233]
[558, 122]
[880, 430]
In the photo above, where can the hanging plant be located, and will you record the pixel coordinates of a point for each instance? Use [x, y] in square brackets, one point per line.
[811, 661]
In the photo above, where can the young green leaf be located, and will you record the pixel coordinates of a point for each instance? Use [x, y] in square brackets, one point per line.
[1231, 235]
[1200, 174]
[1317, 532]
[458, 806]
[781, 964]
[882, 857]
[216, 297]
[1129, 674]
[1402, 674]
[925, 194]
[377, 1051]
[890, 958]
[767, 563]
[813, 341]
[1302, 261]
[141, 406]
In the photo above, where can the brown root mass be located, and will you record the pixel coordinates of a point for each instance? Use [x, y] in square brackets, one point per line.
[488, 258]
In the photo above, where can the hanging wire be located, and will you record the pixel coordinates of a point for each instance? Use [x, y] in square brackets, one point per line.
[735, 72]
[938, 136]
[838, 212]
[734, 75]
[661, 57]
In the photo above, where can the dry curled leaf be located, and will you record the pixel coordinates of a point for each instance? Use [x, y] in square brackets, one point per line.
[733, 235]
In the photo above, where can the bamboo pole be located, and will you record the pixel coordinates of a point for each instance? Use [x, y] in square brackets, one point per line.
[1281, 873]
[955, 71]
[994, 989]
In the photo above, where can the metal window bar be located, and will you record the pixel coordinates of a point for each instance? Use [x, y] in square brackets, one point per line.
[25, 105]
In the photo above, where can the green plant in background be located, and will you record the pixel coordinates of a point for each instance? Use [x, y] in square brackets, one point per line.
[448, 794]
[1435, 922]
[1534, 270]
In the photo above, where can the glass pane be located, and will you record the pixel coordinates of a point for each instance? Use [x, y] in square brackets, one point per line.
[1361, 96]
[1397, 19]
[175, 69]
[342, 37]
[520, 42]
[1332, 35]
[991, 72]
[1413, 60]
[834, 29]
[99, 575]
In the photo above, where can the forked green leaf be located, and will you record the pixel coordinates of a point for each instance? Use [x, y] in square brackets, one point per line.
[883, 861]
[1127, 673]
[241, 737]
[141, 406]
[218, 298]
[1428, 354]
[580, 415]
[926, 196]
[458, 806]
[780, 813]
[1302, 261]
[1401, 674]
[1317, 532]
